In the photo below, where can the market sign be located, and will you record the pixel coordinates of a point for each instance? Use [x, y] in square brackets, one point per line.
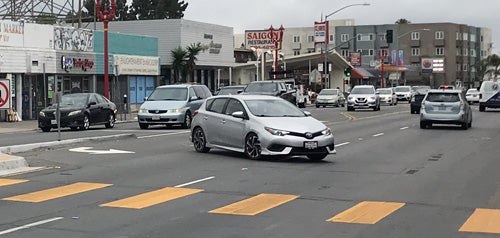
[261, 39]
[69, 63]
[136, 65]
[11, 33]
[321, 32]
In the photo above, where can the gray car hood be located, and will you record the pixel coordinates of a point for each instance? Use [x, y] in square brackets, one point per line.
[327, 97]
[163, 105]
[295, 124]
[362, 95]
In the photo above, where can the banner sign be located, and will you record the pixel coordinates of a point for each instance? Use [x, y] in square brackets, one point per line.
[355, 58]
[397, 57]
[11, 33]
[321, 32]
[136, 65]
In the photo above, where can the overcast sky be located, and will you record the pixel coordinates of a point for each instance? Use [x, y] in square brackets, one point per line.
[259, 14]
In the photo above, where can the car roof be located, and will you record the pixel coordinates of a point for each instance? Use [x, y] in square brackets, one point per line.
[234, 86]
[178, 85]
[445, 91]
[363, 86]
[247, 96]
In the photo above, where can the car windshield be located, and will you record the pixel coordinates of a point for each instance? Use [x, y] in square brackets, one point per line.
[384, 91]
[416, 88]
[229, 91]
[172, 94]
[442, 97]
[328, 92]
[74, 100]
[356, 90]
[472, 90]
[273, 108]
[262, 87]
[405, 89]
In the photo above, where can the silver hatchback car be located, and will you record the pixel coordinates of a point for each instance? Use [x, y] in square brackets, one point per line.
[258, 125]
[445, 107]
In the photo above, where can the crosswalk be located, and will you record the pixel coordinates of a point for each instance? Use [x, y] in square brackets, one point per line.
[365, 212]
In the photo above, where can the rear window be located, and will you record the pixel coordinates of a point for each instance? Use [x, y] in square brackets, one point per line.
[443, 97]
[262, 87]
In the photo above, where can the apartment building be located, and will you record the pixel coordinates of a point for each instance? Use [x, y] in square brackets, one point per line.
[457, 48]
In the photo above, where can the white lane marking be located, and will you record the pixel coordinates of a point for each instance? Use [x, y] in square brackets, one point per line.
[30, 225]
[99, 152]
[404, 128]
[193, 182]
[341, 144]
[166, 134]
[379, 134]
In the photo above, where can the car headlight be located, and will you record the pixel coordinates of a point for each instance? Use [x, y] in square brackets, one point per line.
[326, 132]
[372, 98]
[74, 113]
[143, 110]
[42, 114]
[350, 98]
[276, 132]
[179, 110]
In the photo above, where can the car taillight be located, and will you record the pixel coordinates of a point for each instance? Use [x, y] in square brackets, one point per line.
[195, 113]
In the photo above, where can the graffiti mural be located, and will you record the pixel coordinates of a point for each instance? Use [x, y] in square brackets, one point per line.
[68, 38]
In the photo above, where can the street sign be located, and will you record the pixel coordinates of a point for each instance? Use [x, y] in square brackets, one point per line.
[4, 94]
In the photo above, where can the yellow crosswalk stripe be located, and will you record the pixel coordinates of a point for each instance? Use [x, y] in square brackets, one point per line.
[483, 220]
[6, 182]
[57, 192]
[255, 205]
[152, 198]
[367, 212]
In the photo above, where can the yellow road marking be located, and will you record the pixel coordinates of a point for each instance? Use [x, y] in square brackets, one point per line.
[152, 198]
[255, 205]
[483, 220]
[5, 182]
[349, 116]
[367, 212]
[57, 192]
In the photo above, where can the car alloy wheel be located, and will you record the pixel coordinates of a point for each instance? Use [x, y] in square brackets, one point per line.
[199, 140]
[86, 123]
[46, 128]
[252, 147]
[111, 121]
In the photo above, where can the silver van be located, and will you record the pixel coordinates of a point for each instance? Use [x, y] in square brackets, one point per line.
[172, 105]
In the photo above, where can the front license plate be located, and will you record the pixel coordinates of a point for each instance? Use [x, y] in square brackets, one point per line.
[53, 122]
[155, 117]
[442, 108]
[311, 145]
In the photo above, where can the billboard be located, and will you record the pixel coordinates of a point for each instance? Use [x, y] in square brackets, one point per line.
[261, 39]
[355, 58]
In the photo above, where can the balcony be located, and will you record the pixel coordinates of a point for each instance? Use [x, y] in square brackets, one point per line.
[439, 42]
[415, 43]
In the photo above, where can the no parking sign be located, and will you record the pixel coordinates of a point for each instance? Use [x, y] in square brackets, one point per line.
[4, 94]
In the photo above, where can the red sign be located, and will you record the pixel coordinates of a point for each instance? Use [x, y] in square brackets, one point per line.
[261, 39]
[321, 32]
[4, 94]
[355, 58]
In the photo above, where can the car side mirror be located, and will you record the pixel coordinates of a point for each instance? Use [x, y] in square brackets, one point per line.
[193, 98]
[91, 103]
[307, 113]
[239, 91]
[239, 114]
[377, 93]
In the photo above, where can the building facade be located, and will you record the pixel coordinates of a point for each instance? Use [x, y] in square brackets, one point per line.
[458, 48]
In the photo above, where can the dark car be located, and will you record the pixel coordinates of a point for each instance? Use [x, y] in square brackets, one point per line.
[416, 100]
[231, 90]
[79, 111]
[276, 88]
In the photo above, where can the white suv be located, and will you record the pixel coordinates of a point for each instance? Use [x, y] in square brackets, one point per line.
[363, 96]
[403, 93]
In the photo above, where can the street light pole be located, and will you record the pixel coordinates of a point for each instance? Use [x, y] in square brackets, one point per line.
[397, 53]
[327, 37]
[106, 16]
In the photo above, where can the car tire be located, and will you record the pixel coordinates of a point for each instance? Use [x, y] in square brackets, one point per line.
[187, 120]
[200, 141]
[482, 108]
[317, 106]
[465, 125]
[317, 157]
[252, 147]
[86, 123]
[302, 105]
[46, 128]
[143, 126]
[111, 121]
[343, 104]
[74, 128]
[350, 108]
[423, 125]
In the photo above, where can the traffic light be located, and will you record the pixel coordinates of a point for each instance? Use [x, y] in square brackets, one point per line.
[347, 71]
[388, 36]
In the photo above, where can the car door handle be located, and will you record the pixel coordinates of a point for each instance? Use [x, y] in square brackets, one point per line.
[205, 118]
[223, 121]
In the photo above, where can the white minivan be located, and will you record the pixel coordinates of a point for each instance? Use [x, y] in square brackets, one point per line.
[489, 95]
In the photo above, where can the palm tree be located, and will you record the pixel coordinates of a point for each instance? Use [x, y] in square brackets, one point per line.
[179, 59]
[192, 51]
[493, 61]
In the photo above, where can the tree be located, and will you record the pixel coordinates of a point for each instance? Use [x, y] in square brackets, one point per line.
[192, 51]
[493, 66]
[402, 21]
[158, 9]
[179, 58]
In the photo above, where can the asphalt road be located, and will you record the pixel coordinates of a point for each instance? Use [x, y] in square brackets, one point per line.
[389, 179]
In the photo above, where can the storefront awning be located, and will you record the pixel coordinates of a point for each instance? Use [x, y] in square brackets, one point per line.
[360, 73]
[388, 67]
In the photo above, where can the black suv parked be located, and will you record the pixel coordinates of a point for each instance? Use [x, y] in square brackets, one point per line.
[416, 101]
[276, 88]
